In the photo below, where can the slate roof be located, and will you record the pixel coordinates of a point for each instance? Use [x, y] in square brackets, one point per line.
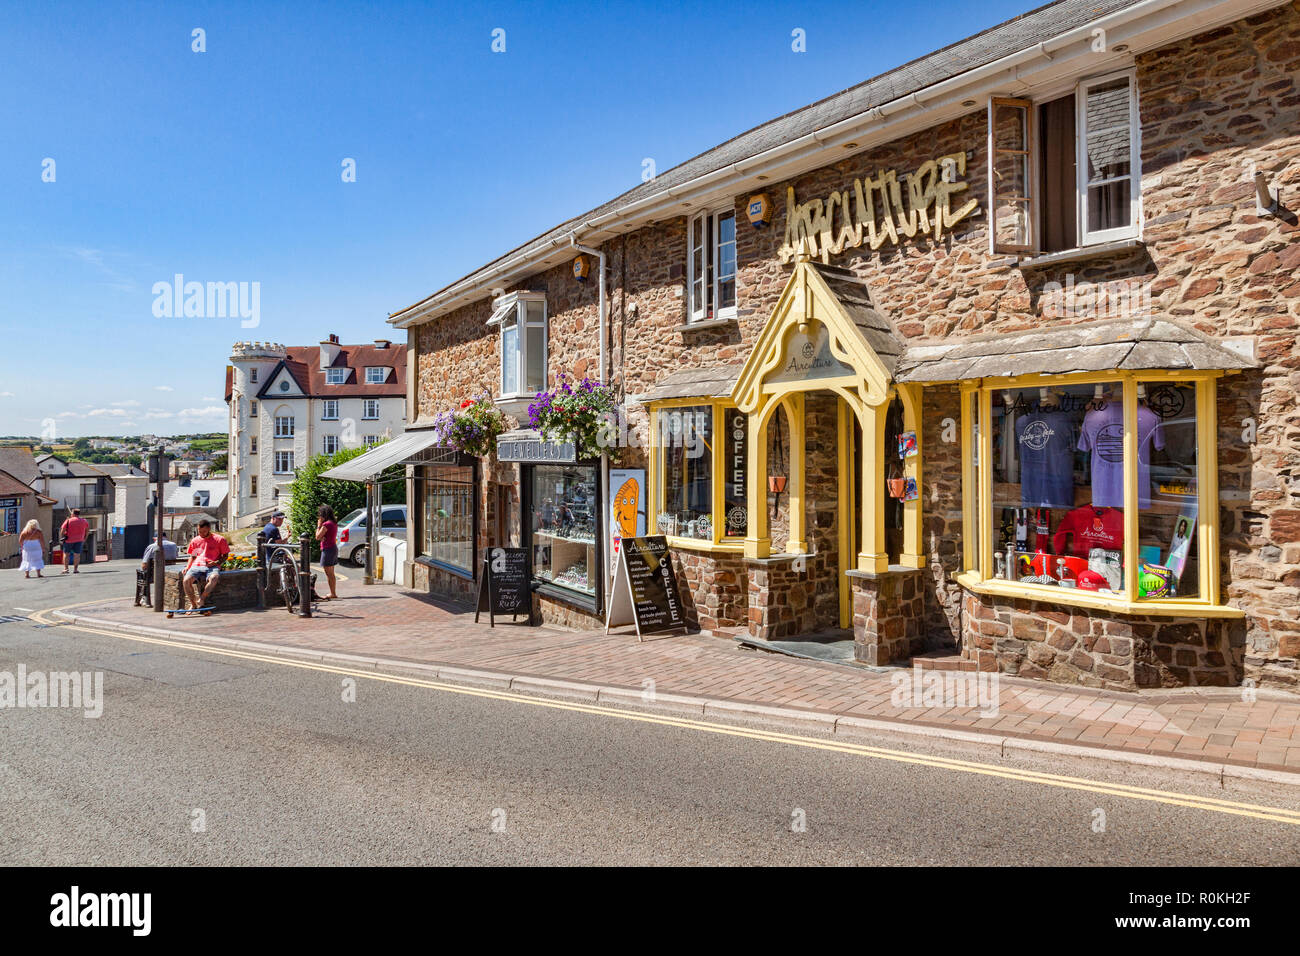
[11, 487]
[715, 382]
[855, 296]
[1123, 344]
[1005, 39]
[19, 463]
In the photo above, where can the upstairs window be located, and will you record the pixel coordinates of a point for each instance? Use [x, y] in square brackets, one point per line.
[1065, 173]
[522, 318]
[252, 409]
[284, 463]
[376, 376]
[283, 426]
[252, 445]
[329, 410]
[711, 266]
[330, 444]
[335, 376]
[252, 376]
[370, 408]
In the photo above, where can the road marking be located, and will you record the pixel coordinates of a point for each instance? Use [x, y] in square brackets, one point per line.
[25, 610]
[1208, 804]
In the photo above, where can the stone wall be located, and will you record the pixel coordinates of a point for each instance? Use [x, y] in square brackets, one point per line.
[713, 588]
[1094, 649]
[888, 616]
[234, 590]
[444, 584]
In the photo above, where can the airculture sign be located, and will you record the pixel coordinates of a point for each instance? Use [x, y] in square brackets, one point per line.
[879, 208]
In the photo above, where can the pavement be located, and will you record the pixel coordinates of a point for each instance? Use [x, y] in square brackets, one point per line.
[1226, 732]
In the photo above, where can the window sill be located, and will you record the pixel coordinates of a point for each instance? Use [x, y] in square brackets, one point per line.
[1044, 594]
[720, 322]
[1098, 250]
[699, 544]
[429, 562]
[562, 595]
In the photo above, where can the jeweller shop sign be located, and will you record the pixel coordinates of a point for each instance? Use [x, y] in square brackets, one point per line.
[533, 450]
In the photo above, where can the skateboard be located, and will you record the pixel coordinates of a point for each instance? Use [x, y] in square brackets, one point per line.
[205, 611]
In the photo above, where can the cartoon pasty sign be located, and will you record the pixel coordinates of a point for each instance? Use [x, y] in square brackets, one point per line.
[626, 507]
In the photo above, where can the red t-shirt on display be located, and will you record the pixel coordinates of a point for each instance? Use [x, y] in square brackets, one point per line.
[1089, 528]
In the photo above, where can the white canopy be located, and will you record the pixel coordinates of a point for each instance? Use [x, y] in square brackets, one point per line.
[377, 460]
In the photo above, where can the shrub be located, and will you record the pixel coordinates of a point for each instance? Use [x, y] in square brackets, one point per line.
[310, 491]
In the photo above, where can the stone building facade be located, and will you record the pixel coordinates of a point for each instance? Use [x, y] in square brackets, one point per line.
[1206, 274]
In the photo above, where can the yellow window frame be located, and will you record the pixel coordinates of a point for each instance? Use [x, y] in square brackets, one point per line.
[977, 489]
[719, 409]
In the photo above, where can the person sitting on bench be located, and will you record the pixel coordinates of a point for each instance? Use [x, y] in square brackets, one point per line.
[206, 553]
[144, 575]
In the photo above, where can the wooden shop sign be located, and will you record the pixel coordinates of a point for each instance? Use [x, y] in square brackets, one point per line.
[504, 585]
[879, 209]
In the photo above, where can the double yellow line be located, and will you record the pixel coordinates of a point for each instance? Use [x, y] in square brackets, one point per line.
[1209, 804]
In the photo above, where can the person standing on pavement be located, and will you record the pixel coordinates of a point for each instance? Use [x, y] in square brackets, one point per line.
[73, 533]
[327, 530]
[272, 529]
[32, 542]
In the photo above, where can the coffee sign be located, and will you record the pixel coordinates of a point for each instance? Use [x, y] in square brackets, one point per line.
[879, 209]
[645, 592]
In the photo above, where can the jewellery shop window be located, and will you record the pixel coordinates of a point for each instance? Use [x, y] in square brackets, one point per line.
[564, 524]
[1059, 471]
[447, 518]
[703, 456]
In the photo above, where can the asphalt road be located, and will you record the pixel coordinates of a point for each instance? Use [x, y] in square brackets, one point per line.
[285, 771]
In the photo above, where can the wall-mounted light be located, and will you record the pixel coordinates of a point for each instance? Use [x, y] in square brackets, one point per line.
[759, 210]
[1266, 197]
[776, 484]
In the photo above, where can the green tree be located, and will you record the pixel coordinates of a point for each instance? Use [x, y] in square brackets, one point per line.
[81, 444]
[309, 491]
[219, 463]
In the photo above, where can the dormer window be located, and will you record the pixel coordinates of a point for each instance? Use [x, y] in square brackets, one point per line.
[522, 318]
[376, 376]
[335, 376]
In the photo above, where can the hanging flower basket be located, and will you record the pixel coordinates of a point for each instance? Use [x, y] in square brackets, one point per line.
[473, 428]
[586, 414]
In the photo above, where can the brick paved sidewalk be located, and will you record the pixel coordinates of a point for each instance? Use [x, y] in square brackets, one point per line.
[1210, 724]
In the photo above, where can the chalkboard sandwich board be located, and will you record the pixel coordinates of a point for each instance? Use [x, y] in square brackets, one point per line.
[504, 587]
[645, 588]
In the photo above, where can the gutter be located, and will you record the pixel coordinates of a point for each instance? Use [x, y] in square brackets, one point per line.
[807, 151]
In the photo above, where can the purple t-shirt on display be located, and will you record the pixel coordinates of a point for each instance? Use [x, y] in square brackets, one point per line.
[1044, 439]
[1103, 435]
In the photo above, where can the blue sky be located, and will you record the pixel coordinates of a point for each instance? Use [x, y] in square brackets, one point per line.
[225, 165]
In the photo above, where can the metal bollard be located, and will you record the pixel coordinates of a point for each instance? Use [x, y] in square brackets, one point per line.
[304, 576]
[261, 570]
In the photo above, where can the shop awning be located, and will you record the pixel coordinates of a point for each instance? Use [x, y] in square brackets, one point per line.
[411, 448]
[1115, 345]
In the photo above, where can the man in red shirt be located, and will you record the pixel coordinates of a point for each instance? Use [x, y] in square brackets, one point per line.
[73, 533]
[206, 553]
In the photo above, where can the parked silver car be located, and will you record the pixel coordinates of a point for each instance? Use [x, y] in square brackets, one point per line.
[354, 536]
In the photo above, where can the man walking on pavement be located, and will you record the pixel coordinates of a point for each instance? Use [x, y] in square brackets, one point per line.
[73, 533]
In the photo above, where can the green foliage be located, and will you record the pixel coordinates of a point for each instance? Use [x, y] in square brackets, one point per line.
[81, 444]
[309, 491]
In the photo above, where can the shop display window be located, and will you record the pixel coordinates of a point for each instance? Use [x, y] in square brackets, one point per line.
[1057, 464]
[565, 509]
[702, 457]
[447, 521]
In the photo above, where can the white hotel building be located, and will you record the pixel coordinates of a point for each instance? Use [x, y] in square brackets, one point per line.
[288, 403]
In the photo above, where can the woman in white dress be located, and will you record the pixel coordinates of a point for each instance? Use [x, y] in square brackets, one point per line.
[32, 541]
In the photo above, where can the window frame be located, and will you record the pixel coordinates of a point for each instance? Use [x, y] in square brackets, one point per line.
[282, 433]
[332, 373]
[378, 379]
[325, 444]
[518, 303]
[1083, 236]
[252, 486]
[276, 463]
[366, 406]
[326, 404]
[252, 376]
[370, 441]
[252, 444]
[977, 497]
[721, 408]
[710, 283]
[1091, 237]
[252, 408]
